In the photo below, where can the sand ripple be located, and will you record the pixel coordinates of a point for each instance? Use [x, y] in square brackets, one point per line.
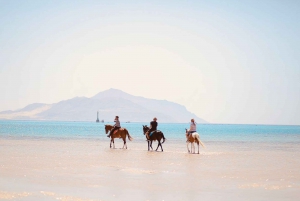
[63, 198]
[10, 195]
[264, 186]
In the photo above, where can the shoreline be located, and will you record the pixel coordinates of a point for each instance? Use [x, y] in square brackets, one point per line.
[132, 122]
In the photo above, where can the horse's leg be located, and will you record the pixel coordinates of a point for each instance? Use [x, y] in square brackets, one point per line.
[198, 147]
[157, 145]
[150, 145]
[110, 143]
[187, 145]
[124, 138]
[194, 147]
[161, 145]
[124, 142]
[113, 142]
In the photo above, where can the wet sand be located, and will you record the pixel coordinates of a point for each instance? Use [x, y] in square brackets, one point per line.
[83, 169]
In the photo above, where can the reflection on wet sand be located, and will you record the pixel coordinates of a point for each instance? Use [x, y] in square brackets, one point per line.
[90, 170]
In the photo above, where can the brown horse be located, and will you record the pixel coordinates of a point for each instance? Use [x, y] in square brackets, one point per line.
[156, 135]
[120, 133]
[191, 138]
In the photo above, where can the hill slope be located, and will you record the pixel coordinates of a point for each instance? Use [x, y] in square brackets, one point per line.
[109, 103]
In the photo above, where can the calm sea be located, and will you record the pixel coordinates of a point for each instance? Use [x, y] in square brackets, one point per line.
[216, 133]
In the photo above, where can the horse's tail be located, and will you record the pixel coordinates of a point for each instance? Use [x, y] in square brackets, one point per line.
[164, 139]
[129, 137]
[198, 138]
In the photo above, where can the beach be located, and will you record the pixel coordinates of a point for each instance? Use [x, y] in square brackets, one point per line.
[226, 71]
[34, 168]
[89, 170]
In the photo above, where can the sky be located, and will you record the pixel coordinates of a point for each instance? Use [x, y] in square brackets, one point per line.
[234, 62]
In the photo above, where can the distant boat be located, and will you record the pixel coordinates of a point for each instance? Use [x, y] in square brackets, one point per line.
[102, 121]
[127, 122]
[98, 117]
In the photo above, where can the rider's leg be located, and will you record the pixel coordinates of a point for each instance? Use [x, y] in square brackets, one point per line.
[190, 132]
[188, 136]
[112, 131]
[148, 134]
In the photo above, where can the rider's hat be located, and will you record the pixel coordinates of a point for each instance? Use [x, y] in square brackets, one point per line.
[117, 117]
[154, 118]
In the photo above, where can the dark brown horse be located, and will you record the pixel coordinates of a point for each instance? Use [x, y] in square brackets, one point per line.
[156, 135]
[120, 133]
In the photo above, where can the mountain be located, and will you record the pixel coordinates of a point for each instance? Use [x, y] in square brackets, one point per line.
[109, 103]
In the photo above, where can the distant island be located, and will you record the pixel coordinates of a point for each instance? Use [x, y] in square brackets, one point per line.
[108, 104]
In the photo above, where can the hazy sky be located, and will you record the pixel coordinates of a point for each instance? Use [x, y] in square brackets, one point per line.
[226, 61]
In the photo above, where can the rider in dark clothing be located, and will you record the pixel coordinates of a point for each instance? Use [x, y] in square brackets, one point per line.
[153, 127]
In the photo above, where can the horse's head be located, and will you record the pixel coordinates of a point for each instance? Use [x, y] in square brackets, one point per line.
[108, 128]
[186, 130]
[145, 129]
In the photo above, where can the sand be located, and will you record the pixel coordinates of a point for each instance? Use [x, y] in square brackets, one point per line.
[87, 169]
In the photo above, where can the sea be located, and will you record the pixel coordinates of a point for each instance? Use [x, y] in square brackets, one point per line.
[54, 160]
[212, 133]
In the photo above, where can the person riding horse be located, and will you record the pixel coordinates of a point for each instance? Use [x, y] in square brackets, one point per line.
[153, 127]
[116, 126]
[192, 128]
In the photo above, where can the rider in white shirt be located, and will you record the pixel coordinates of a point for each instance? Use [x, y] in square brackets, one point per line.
[192, 127]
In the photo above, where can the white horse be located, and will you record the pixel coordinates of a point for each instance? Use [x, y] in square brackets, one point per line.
[194, 137]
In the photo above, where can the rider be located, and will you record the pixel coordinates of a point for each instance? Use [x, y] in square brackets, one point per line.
[153, 127]
[192, 128]
[116, 126]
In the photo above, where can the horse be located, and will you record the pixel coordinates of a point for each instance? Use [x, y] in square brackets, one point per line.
[120, 133]
[191, 138]
[156, 135]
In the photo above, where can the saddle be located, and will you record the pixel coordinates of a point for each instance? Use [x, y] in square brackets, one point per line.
[150, 134]
[121, 129]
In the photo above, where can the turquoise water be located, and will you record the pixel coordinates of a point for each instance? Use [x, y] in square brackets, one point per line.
[174, 132]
